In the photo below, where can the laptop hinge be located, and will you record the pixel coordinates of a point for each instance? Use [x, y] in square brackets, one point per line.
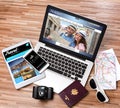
[37, 46]
[42, 44]
[88, 61]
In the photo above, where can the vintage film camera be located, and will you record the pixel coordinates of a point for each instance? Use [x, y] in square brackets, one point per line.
[42, 92]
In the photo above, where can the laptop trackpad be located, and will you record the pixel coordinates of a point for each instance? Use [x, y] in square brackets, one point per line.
[52, 79]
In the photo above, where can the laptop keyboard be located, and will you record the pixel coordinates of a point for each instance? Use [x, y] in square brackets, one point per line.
[63, 65]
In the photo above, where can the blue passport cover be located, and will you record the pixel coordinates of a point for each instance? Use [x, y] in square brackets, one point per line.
[73, 93]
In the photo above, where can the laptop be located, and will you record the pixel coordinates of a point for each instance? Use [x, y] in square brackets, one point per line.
[69, 43]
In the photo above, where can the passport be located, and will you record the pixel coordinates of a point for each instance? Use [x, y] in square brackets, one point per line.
[73, 93]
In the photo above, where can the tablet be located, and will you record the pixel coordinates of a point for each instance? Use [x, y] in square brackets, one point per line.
[22, 73]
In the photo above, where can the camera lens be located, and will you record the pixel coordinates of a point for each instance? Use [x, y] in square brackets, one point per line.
[41, 93]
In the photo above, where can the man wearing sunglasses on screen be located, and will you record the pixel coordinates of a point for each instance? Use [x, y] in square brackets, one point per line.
[101, 96]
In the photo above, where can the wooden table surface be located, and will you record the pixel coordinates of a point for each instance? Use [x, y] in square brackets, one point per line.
[22, 19]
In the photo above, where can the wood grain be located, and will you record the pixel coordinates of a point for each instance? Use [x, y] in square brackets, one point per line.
[22, 19]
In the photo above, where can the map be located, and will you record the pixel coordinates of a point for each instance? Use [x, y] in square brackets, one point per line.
[105, 69]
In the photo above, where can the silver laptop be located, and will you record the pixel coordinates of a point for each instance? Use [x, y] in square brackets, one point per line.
[69, 43]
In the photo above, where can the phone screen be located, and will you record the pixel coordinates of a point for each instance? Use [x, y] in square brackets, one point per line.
[34, 59]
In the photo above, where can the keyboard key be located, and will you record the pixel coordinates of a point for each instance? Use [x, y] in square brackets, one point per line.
[78, 75]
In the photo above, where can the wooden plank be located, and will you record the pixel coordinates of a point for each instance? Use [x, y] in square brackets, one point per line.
[22, 19]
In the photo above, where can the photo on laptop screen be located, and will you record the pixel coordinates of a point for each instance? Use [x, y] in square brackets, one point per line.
[79, 35]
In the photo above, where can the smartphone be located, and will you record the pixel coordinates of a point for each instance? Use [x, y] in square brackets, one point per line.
[36, 60]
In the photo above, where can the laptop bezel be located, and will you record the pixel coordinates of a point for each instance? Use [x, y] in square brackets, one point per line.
[64, 49]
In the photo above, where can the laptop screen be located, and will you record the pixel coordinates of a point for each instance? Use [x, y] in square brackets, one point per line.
[72, 33]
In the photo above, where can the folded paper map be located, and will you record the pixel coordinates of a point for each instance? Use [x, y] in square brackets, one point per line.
[106, 69]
